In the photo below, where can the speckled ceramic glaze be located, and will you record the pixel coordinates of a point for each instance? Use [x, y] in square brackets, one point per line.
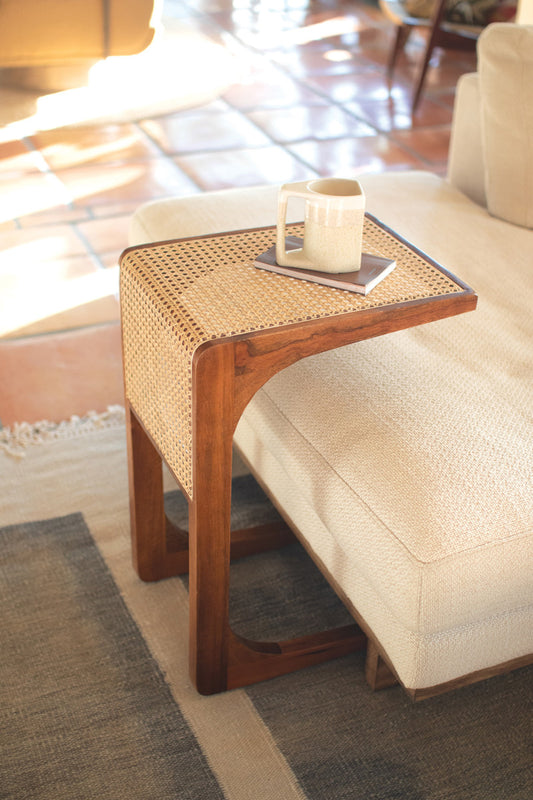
[334, 213]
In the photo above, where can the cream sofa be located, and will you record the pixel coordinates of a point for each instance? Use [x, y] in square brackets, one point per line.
[42, 32]
[405, 463]
[51, 44]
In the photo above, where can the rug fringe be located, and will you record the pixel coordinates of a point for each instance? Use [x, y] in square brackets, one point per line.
[15, 439]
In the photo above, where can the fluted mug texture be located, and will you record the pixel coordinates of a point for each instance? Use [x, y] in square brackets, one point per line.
[333, 225]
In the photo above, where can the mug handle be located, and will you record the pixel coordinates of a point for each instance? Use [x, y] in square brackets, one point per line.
[292, 258]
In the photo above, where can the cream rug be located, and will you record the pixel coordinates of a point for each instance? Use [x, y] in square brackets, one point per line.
[181, 69]
[117, 717]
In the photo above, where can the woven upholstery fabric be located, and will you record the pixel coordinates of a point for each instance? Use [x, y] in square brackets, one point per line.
[406, 461]
[506, 79]
[214, 212]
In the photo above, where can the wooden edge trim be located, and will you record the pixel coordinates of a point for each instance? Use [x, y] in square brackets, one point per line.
[370, 216]
[472, 677]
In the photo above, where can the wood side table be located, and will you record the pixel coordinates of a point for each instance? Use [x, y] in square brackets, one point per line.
[203, 330]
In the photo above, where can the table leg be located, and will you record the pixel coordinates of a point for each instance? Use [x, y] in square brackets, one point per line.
[210, 519]
[219, 659]
[147, 513]
[160, 549]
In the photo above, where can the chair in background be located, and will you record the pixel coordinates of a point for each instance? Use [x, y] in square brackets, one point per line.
[441, 33]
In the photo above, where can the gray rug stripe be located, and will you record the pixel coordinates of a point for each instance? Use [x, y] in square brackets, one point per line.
[341, 740]
[85, 711]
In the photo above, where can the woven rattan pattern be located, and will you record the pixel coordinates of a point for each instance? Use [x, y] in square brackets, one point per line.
[176, 296]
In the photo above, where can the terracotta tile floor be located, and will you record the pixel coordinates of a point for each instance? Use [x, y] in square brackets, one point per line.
[312, 100]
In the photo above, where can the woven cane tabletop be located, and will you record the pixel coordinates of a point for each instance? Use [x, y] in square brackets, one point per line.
[175, 296]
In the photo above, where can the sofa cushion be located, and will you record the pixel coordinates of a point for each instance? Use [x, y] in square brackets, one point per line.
[466, 167]
[505, 65]
[213, 212]
[405, 461]
[37, 32]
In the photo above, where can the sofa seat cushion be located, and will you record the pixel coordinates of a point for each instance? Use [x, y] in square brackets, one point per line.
[214, 212]
[406, 461]
[385, 479]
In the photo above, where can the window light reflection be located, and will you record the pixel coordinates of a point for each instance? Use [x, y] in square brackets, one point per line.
[272, 38]
[338, 55]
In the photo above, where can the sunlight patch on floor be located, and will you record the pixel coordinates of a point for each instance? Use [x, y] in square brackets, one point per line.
[46, 299]
[180, 69]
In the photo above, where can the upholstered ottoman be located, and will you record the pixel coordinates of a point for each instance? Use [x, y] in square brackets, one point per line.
[405, 463]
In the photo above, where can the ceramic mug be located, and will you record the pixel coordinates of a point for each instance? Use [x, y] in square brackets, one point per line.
[333, 229]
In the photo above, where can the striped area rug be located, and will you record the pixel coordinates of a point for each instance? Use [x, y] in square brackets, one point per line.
[95, 700]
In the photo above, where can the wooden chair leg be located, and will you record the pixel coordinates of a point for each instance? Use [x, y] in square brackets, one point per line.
[432, 42]
[377, 673]
[402, 35]
[421, 77]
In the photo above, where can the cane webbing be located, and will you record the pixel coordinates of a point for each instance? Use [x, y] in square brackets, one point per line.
[177, 295]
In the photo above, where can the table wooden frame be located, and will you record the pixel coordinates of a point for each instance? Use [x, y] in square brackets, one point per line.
[226, 374]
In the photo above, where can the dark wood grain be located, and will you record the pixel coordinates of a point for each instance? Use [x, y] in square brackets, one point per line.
[147, 512]
[250, 661]
[472, 677]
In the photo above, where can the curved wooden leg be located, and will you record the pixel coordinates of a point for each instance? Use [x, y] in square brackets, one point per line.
[250, 661]
[219, 659]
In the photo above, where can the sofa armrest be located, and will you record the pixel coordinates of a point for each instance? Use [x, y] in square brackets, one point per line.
[465, 162]
[505, 67]
[524, 12]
